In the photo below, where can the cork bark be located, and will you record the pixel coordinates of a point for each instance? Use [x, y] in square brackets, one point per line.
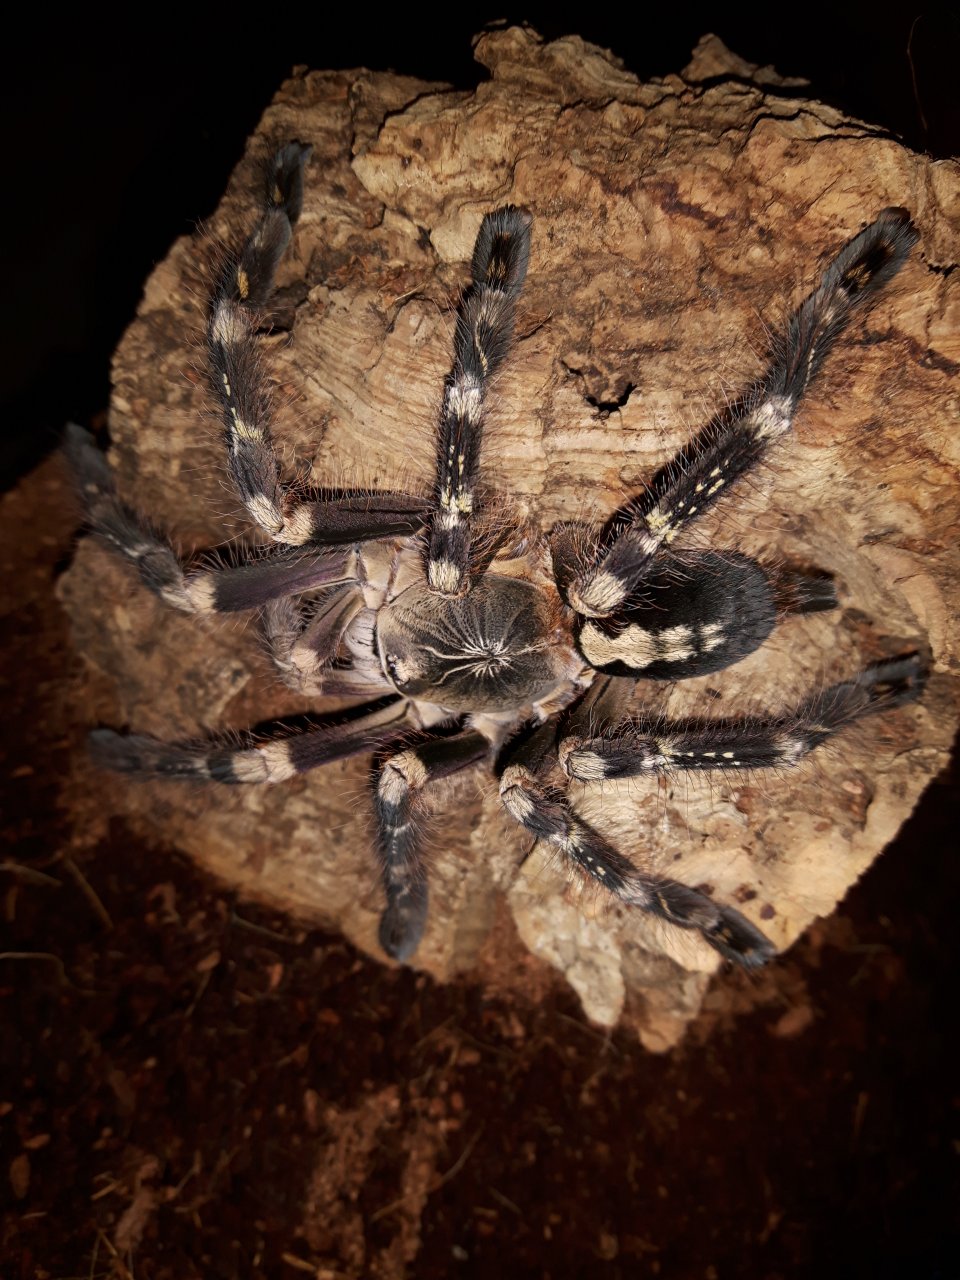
[674, 222]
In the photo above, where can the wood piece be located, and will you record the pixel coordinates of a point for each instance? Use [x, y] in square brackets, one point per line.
[672, 221]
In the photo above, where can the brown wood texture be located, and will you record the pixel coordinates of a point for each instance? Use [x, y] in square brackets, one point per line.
[675, 222]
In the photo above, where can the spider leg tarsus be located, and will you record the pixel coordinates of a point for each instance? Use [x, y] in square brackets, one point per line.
[404, 919]
[725, 928]
[797, 591]
[137, 753]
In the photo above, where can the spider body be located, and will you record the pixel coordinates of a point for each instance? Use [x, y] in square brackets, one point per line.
[524, 650]
[497, 649]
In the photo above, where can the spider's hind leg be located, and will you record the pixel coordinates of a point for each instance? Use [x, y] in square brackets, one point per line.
[401, 781]
[219, 589]
[548, 815]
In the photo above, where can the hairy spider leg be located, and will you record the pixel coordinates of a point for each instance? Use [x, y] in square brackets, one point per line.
[548, 815]
[401, 782]
[220, 589]
[242, 292]
[646, 746]
[736, 440]
[484, 328]
[281, 756]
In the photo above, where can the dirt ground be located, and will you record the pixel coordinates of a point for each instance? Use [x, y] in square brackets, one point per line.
[193, 1088]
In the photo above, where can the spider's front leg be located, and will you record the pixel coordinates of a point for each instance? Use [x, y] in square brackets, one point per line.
[616, 567]
[482, 339]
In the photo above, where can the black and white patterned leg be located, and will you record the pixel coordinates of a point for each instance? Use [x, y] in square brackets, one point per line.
[548, 816]
[648, 746]
[737, 439]
[482, 339]
[242, 292]
[222, 589]
[399, 786]
[275, 760]
[695, 614]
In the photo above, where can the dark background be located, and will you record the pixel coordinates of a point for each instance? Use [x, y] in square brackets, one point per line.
[120, 133]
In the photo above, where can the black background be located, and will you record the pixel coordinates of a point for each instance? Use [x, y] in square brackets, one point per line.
[121, 130]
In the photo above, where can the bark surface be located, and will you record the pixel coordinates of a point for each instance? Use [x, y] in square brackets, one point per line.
[674, 222]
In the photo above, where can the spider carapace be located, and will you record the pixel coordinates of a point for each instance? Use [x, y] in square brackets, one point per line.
[464, 644]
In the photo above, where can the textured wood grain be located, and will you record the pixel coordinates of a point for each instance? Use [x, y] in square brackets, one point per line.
[673, 221]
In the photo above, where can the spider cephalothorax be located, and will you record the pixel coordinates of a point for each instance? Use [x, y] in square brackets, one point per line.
[523, 650]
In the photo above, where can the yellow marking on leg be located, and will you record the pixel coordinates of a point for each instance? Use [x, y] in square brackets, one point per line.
[229, 325]
[444, 576]
[266, 513]
[658, 521]
[245, 430]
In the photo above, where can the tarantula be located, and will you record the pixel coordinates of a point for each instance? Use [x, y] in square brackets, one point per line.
[522, 655]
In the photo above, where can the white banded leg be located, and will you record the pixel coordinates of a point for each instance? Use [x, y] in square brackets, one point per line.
[274, 760]
[401, 782]
[737, 439]
[548, 816]
[242, 292]
[222, 589]
[482, 339]
[647, 746]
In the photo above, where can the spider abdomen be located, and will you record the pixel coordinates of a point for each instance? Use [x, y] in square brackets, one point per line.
[497, 649]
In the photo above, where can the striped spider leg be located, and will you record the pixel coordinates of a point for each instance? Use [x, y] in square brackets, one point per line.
[597, 743]
[481, 341]
[242, 293]
[645, 609]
